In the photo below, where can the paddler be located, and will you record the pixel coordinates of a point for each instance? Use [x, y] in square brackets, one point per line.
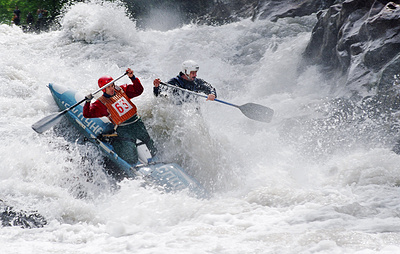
[115, 103]
[187, 79]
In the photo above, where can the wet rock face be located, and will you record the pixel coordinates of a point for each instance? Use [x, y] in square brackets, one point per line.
[360, 39]
[10, 217]
[232, 10]
[273, 10]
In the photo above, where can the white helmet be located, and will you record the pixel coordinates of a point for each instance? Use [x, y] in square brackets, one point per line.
[188, 66]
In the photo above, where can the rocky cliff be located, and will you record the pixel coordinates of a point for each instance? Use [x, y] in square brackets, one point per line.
[360, 40]
[355, 42]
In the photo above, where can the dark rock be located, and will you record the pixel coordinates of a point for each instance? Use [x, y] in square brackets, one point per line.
[359, 39]
[10, 217]
[273, 10]
[233, 10]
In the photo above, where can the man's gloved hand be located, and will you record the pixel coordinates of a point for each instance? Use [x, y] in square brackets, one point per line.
[89, 97]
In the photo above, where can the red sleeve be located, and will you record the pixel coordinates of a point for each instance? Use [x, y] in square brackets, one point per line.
[133, 90]
[95, 109]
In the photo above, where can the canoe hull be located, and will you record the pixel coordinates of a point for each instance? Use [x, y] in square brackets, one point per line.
[168, 176]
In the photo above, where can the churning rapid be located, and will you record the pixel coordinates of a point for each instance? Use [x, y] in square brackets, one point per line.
[300, 184]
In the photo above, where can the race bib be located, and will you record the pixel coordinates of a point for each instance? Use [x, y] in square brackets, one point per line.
[122, 106]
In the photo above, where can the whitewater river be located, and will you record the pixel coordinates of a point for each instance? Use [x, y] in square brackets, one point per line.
[300, 184]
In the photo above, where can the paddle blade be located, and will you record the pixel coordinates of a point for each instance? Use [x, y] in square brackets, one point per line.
[47, 122]
[257, 112]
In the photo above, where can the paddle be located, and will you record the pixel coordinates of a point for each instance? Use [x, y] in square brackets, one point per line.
[49, 121]
[251, 110]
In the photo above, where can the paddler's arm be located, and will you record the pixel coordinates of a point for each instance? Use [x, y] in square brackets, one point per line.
[156, 87]
[94, 110]
[135, 89]
[208, 89]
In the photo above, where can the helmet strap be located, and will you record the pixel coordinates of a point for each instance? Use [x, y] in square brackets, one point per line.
[187, 76]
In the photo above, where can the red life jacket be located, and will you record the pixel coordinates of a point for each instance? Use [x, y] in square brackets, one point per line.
[119, 106]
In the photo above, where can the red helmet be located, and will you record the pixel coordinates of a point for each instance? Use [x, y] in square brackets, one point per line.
[104, 80]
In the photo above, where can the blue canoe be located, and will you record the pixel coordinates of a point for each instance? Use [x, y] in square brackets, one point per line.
[169, 176]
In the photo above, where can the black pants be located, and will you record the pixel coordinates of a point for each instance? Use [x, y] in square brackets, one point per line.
[125, 145]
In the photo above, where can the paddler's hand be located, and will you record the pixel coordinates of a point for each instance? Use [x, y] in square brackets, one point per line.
[157, 82]
[129, 72]
[89, 97]
[210, 97]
